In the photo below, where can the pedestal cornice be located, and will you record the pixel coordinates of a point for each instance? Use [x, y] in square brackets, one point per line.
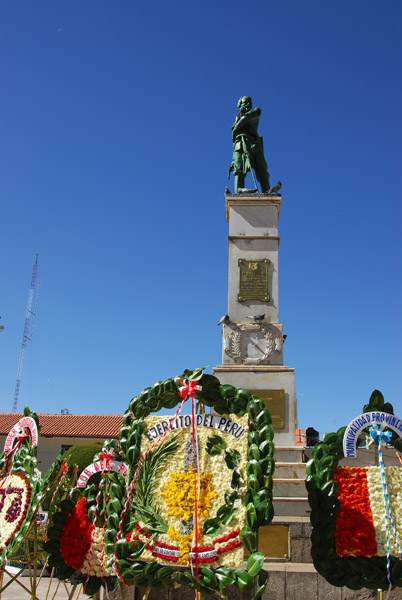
[253, 368]
[252, 200]
[233, 238]
[254, 237]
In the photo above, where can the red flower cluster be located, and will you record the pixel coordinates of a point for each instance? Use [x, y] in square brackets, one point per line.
[168, 558]
[229, 547]
[14, 509]
[167, 546]
[142, 531]
[355, 532]
[202, 548]
[202, 559]
[76, 537]
[227, 537]
[16, 505]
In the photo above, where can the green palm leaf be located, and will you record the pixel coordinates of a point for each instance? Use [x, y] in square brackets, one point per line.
[149, 469]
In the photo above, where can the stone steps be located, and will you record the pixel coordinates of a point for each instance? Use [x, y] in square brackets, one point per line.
[289, 487]
[289, 454]
[290, 470]
[290, 494]
[295, 506]
[275, 565]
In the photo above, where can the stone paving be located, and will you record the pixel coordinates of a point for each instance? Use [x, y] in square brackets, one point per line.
[46, 590]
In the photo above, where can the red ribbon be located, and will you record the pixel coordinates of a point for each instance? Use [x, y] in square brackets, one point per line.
[133, 482]
[64, 469]
[107, 457]
[188, 389]
[11, 453]
[22, 434]
[195, 450]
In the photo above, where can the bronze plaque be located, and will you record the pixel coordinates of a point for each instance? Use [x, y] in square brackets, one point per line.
[253, 280]
[274, 541]
[275, 402]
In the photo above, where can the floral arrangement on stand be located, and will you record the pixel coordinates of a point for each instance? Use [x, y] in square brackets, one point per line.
[200, 488]
[22, 487]
[77, 530]
[356, 512]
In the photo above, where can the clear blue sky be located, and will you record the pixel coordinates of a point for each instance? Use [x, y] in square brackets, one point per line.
[115, 124]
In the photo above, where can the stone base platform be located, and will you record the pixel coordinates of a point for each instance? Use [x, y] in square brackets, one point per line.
[287, 582]
[300, 581]
[286, 541]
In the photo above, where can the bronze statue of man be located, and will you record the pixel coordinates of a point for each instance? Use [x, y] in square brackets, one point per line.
[248, 151]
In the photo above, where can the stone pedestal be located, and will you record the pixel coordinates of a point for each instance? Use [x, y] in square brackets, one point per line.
[252, 349]
[275, 385]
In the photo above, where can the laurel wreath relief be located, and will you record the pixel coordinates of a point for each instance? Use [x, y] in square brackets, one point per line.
[232, 344]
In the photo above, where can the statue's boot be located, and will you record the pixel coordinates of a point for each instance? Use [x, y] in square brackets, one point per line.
[261, 171]
[263, 179]
[239, 183]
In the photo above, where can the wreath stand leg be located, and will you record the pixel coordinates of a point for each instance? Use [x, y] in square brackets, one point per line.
[35, 561]
[14, 578]
[32, 558]
[50, 582]
[70, 597]
[43, 570]
[57, 587]
[147, 592]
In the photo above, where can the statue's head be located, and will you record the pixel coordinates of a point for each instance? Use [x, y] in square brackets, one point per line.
[244, 104]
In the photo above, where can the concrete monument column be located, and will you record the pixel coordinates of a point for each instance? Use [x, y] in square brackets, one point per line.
[252, 336]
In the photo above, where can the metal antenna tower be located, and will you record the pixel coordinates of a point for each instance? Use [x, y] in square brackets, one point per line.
[27, 335]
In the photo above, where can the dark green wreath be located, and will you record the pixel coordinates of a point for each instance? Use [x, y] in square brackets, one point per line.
[225, 399]
[353, 572]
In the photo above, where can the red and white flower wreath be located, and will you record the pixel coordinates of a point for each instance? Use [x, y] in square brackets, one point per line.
[15, 494]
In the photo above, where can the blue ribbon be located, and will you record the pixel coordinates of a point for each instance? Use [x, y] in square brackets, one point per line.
[384, 437]
[380, 436]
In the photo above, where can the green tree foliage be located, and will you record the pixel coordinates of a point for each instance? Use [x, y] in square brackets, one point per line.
[82, 455]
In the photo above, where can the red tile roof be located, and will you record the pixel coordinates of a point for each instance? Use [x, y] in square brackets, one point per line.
[92, 426]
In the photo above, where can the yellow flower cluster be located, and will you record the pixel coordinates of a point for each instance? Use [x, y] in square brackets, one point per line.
[96, 561]
[394, 482]
[179, 494]
[185, 542]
